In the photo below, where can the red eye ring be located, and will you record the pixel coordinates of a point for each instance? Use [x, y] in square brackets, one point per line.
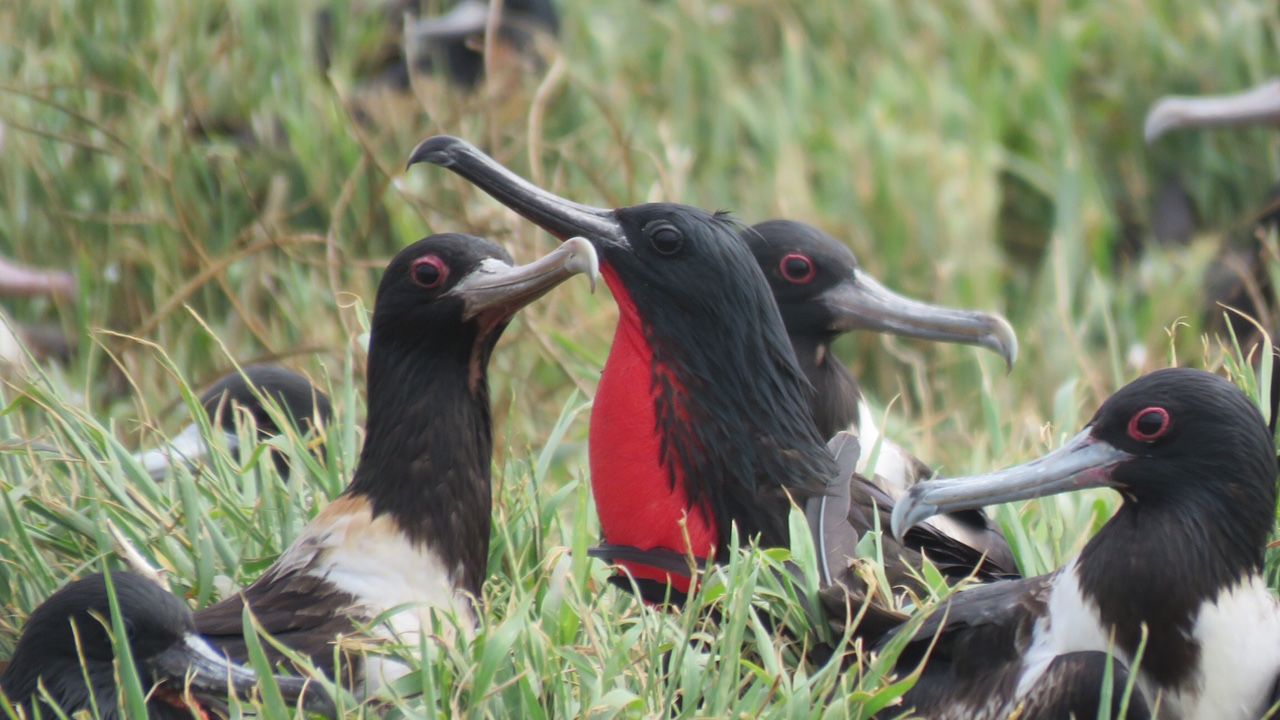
[429, 272]
[1142, 417]
[798, 279]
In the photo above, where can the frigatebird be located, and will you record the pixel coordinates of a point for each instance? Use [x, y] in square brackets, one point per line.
[822, 292]
[410, 534]
[1180, 563]
[701, 420]
[1239, 277]
[182, 674]
[244, 391]
[455, 40]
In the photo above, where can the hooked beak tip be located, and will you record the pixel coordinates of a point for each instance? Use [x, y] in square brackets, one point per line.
[907, 513]
[585, 260]
[1162, 118]
[1004, 341]
[437, 150]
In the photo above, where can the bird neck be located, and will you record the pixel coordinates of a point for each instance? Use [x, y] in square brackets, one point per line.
[836, 394]
[428, 447]
[640, 490]
[1158, 562]
[691, 434]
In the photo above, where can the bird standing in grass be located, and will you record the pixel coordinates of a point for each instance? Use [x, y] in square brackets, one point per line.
[701, 421]
[66, 651]
[410, 534]
[1172, 584]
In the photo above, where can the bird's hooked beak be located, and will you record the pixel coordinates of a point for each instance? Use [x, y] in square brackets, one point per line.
[1084, 462]
[558, 216]
[862, 303]
[22, 281]
[499, 290]
[1176, 112]
[194, 665]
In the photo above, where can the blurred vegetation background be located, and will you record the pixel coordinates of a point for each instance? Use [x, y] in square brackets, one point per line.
[225, 179]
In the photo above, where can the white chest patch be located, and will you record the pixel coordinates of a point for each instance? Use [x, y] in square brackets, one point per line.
[1239, 637]
[1076, 626]
[373, 561]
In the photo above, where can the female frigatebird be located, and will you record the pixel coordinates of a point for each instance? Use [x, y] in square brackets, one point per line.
[245, 390]
[66, 651]
[411, 532]
[822, 292]
[1180, 563]
[701, 420]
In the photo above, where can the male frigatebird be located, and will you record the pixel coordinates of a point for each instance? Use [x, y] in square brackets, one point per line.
[1180, 563]
[822, 292]
[66, 651]
[411, 532]
[243, 391]
[701, 420]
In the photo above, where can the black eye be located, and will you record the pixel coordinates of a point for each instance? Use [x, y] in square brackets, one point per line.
[429, 271]
[666, 239]
[797, 268]
[1149, 424]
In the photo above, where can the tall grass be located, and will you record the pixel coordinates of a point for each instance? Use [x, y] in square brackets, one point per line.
[223, 200]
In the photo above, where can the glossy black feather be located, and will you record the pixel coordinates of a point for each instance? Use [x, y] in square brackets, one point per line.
[737, 425]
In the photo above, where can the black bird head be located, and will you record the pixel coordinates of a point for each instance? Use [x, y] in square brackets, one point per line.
[304, 405]
[823, 292]
[162, 638]
[1175, 112]
[1177, 439]
[458, 290]
[731, 427]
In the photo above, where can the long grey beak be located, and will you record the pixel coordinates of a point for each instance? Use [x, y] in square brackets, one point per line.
[558, 216]
[498, 289]
[187, 447]
[1176, 112]
[865, 304]
[194, 664]
[22, 281]
[1084, 462]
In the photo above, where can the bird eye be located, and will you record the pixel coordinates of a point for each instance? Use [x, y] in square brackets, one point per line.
[666, 239]
[797, 268]
[429, 272]
[1149, 424]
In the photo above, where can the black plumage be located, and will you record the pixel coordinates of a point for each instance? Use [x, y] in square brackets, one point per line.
[182, 674]
[1182, 558]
